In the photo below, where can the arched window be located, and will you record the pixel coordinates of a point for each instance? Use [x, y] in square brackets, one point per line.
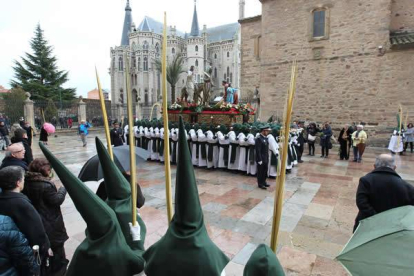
[134, 61]
[319, 23]
[120, 64]
[139, 64]
[146, 45]
[146, 97]
[173, 51]
[145, 64]
[196, 63]
[228, 71]
[215, 73]
[231, 77]
[157, 48]
[136, 80]
[196, 48]
[215, 56]
[228, 54]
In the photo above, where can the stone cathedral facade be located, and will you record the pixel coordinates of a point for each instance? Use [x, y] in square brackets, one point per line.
[216, 47]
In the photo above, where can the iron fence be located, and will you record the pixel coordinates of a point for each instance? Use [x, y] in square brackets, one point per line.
[62, 114]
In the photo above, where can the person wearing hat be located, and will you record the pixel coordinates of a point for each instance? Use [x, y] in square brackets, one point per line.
[223, 147]
[251, 140]
[116, 135]
[212, 148]
[359, 139]
[112, 246]
[262, 156]
[186, 248]
[263, 262]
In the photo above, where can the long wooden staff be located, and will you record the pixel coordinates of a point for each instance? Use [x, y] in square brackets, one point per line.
[131, 143]
[104, 116]
[166, 130]
[280, 180]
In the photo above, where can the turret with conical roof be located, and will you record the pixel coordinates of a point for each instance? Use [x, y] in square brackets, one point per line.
[127, 25]
[195, 30]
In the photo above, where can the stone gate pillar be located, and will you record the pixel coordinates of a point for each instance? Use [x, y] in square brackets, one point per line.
[81, 110]
[29, 110]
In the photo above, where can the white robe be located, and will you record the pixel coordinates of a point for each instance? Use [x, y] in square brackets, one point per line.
[161, 157]
[222, 141]
[251, 167]
[155, 134]
[126, 132]
[174, 138]
[147, 134]
[233, 143]
[194, 140]
[212, 142]
[243, 153]
[396, 143]
[273, 149]
[202, 162]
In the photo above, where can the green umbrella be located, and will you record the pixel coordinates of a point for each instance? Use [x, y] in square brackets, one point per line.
[382, 245]
[104, 251]
[186, 248]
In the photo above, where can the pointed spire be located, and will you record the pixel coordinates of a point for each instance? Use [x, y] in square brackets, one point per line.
[195, 30]
[127, 25]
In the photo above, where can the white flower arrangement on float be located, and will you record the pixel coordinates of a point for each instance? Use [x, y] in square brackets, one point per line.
[175, 106]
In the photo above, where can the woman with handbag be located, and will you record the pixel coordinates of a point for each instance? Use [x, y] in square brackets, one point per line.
[312, 131]
[47, 199]
[326, 140]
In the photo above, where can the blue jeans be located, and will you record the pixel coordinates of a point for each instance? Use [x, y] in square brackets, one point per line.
[357, 157]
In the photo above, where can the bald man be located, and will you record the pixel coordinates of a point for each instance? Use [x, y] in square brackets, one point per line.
[14, 157]
[382, 189]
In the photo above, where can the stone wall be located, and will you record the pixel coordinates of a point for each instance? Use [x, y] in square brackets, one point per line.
[342, 79]
[402, 15]
[250, 61]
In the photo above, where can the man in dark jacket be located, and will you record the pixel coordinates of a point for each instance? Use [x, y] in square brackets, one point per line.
[116, 136]
[262, 156]
[29, 131]
[382, 189]
[20, 136]
[16, 205]
[16, 256]
[14, 157]
[4, 133]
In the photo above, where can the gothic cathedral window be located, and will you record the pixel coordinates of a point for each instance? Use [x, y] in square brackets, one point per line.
[173, 51]
[196, 63]
[139, 64]
[228, 54]
[120, 64]
[134, 61]
[215, 73]
[215, 56]
[145, 64]
[196, 48]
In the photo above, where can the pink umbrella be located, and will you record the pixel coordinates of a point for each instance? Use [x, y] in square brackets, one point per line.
[49, 128]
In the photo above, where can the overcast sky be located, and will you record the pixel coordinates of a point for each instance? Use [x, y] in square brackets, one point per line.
[82, 31]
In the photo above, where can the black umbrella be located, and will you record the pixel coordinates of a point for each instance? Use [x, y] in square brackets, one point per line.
[92, 170]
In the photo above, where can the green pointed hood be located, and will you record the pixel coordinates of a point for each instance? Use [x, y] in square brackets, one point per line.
[186, 248]
[263, 262]
[118, 190]
[104, 251]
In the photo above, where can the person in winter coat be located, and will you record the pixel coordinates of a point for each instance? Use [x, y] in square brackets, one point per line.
[409, 137]
[4, 133]
[312, 130]
[345, 140]
[14, 204]
[83, 131]
[326, 140]
[16, 256]
[382, 189]
[20, 136]
[29, 132]
[116, 136]
[14, 157]
[43, 136]
[46, 198]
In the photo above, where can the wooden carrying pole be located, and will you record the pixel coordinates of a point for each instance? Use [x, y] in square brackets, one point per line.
[280, 180]
[104, 116]
[131, 136]
[165, 119]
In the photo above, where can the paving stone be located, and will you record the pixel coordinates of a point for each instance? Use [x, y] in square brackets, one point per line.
[214, 207]
[261, 213]
[243, 256]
